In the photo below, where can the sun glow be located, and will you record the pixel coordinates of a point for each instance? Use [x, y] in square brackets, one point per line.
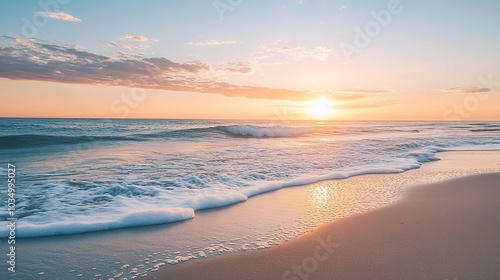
[320, 108]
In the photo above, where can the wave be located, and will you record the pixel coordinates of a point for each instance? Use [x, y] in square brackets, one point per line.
[166, 215]
[38, 227]
[485, 130]
[251, 131]
[134, 219]
[261, 132]
[211, 198]
[39, 140]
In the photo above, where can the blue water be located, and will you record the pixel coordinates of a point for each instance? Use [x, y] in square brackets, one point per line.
[81, 175]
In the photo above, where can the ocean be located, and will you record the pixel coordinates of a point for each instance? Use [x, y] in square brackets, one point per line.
[83, 175]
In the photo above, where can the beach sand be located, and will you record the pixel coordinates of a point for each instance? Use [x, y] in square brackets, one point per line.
[448, 230]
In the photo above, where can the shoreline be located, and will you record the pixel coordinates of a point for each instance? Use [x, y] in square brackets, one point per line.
[443, 230]
[242, 197]
[242, 228]
[263, 190]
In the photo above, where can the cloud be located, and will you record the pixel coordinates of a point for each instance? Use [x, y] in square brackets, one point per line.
[127, 46]
[364, 105]
[298, 53]
[32, 59]
[348, 95]
[128, 37]
[344, 6]
[239, 67]
[118, 45]
[138, 42]
[466, 89]
[364, 91]
[59, 15]
[211, 43]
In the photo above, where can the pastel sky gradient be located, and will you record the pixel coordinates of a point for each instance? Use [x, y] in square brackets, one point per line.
[242, 59]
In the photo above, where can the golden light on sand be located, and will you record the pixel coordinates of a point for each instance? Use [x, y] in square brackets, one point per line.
[321, 108]
[321, 196]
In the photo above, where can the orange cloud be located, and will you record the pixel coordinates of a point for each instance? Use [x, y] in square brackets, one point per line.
[239, 67]
[467, 89]
[43, 61]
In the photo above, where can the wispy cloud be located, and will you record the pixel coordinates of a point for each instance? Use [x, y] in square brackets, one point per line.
[344, 6]
[362, 98]
[211, 43]
[364, 91]
[115, 44]
[136, 42]
[32, 59]
[466, 89]
[346, 96]
[59, 15]
[129, 47]
[366, 105]
[239, 67]
[298, 53]
[136, 38]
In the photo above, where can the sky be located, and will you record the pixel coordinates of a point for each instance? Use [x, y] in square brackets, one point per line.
[243, 59]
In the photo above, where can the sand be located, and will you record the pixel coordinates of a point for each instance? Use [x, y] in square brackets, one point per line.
[448, 230]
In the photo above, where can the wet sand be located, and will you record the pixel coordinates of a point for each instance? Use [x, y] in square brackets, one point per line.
[448, 230]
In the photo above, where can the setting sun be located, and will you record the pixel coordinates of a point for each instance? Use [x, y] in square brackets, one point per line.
[320, 108]
[129, 122]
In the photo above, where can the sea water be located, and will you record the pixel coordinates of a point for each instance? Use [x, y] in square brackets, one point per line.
[83, 175]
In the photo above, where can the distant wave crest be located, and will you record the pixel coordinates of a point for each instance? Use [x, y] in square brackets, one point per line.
[260, 132]
[40, 140]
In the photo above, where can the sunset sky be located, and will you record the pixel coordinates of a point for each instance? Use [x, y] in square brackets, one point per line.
[243, 59]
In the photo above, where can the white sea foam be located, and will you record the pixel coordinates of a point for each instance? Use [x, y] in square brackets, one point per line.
[218, 199]
[141, 218]
[203, 200]
[259, 132]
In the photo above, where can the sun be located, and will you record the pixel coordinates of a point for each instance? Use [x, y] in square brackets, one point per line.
[321, 108]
